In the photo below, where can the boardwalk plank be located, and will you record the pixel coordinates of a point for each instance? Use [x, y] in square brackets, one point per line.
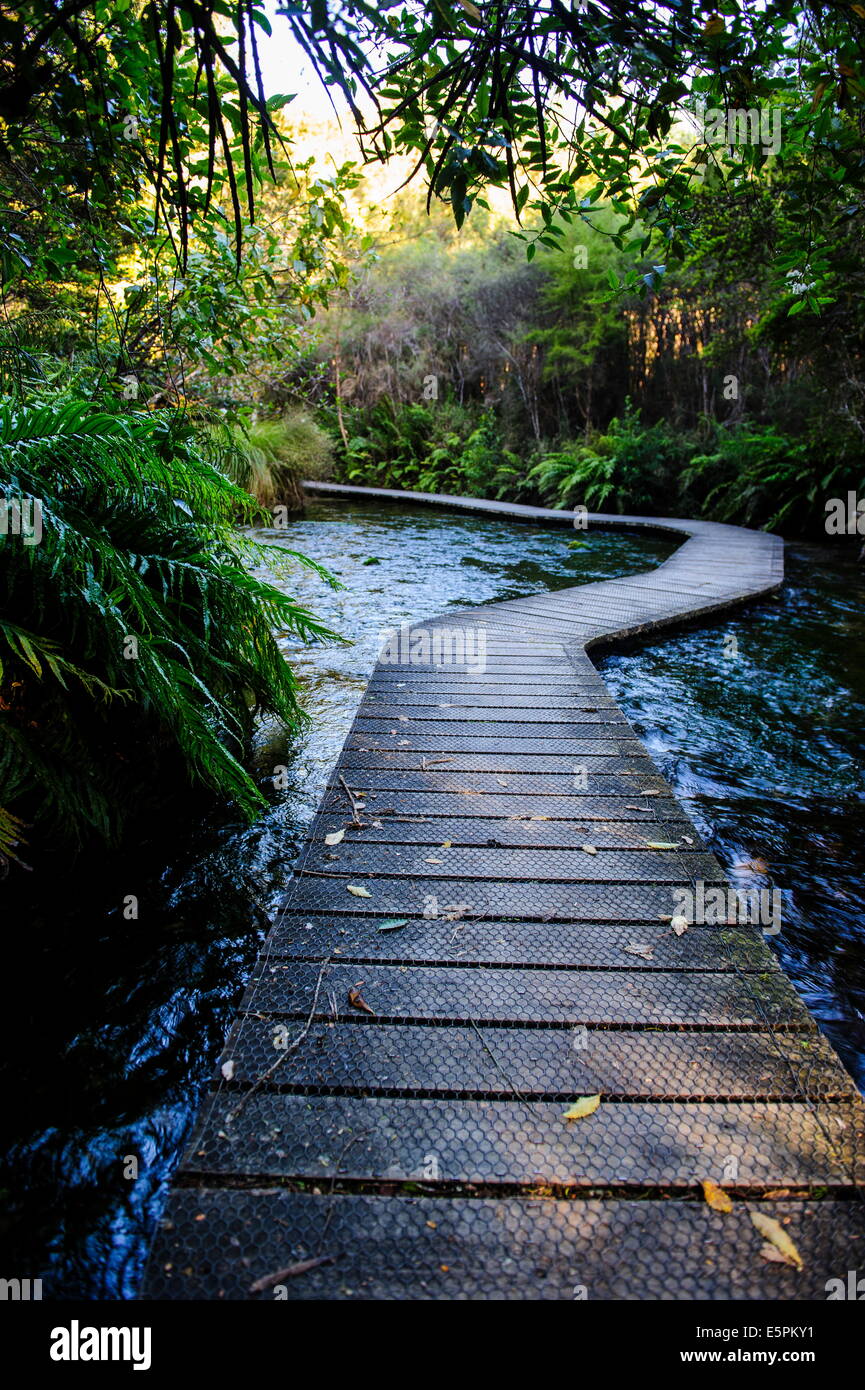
[670, 1145]
[219, 1243]
[556, 1063]
[491, 995]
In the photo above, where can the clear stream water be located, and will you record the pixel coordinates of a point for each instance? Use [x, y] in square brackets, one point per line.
[113, 1026]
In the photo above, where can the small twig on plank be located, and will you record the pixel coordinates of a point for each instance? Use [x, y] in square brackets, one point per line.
[497, 1064]
[355, 1139]
[290, 1272]
[266, 1075]
[319, 873]
[357, 822]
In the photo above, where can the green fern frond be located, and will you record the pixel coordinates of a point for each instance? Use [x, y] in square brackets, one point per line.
[136, 622]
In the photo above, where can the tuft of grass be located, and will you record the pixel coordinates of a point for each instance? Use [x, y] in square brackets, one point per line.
[270, 459]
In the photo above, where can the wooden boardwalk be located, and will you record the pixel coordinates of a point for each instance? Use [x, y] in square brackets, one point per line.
[387, 1119]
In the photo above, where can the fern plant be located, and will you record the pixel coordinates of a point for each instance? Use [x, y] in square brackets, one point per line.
[630, 467]
[135, 638]
[574, 475]
[757, 474]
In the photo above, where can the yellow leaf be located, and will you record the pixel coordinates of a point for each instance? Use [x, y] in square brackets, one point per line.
[471, 10]
[714, 25]
[588, 849]
[774, 1232]
[358, 892]
[585, 1105]
[715, 1196]
[335, 838]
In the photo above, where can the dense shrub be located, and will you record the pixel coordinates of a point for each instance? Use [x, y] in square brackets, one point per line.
[446, 448]
[627, 468]
[756, 475]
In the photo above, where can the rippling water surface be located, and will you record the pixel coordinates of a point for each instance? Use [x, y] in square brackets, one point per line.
[122, 1020]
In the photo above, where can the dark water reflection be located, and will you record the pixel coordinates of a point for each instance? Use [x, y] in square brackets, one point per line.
[122, 1020]
[766, 750]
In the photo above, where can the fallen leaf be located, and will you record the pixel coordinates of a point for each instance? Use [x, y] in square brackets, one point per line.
[768, 1252]
[588, 849]
[446, 844]
[267, 1281]
[433, 861]
[715, 1196]
[357, 1001]
[776, 1235]
[393, 923]
[335, 839]
[662, 844]
[636, 949]
[679, 925]
[358, 892]
[227, 1069]
[583, 1106]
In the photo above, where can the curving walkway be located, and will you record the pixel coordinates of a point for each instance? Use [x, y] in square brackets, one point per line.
[387, 1118]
